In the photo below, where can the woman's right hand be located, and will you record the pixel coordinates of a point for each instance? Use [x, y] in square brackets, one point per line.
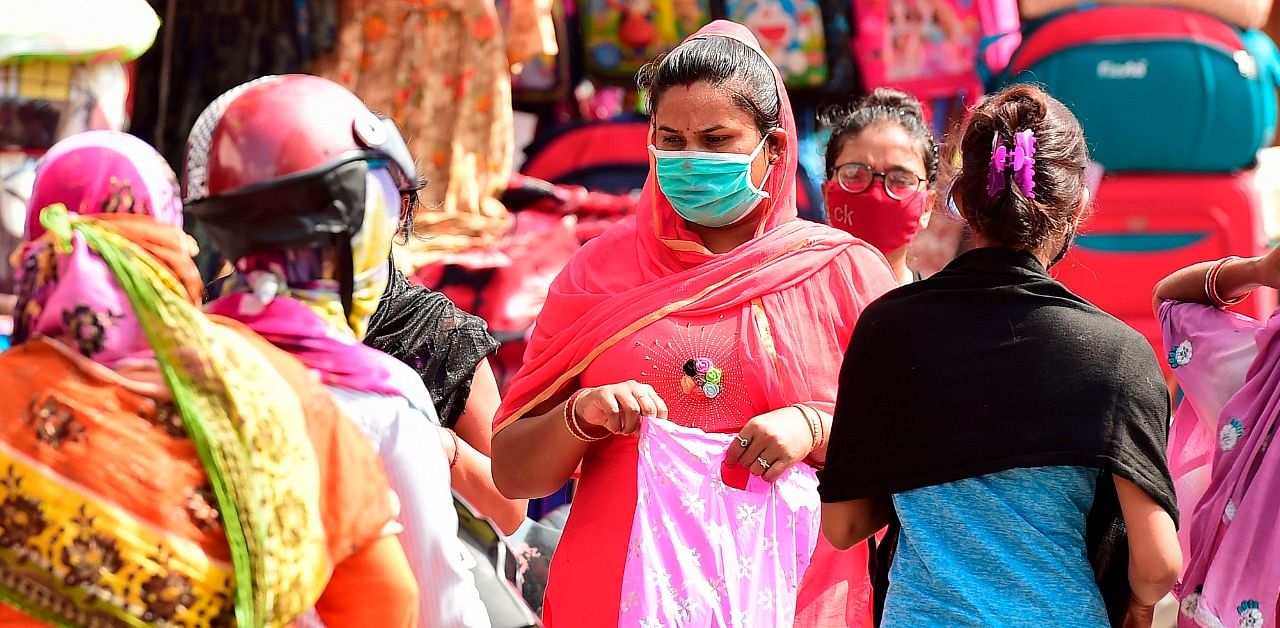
[618, 408]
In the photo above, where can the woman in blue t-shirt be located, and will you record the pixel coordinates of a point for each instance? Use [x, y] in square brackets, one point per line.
[1012, 426]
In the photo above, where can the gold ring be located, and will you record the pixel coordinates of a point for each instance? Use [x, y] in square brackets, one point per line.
[745, 442]
[764, 463]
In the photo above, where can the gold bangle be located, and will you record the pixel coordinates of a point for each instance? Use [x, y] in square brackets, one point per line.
[814, 428]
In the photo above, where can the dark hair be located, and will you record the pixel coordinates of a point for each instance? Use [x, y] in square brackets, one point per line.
[881, 106]
[409, 204]
[722, 62]
[1010, 218]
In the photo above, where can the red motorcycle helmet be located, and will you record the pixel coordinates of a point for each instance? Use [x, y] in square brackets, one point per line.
[279, 163]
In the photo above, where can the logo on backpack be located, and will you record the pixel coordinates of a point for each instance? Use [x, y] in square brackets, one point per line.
[1134, 69]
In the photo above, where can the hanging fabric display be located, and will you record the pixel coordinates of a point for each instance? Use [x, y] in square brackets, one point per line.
[539, 60]
[440, 69]
[59, 77]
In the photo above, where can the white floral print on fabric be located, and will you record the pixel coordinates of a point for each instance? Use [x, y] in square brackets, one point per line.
[1180, 355]
[715, 568]
[1231, 434]
[1190, 604]
[1250, 614]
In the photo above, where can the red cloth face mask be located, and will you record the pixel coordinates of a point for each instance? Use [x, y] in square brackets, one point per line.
[883, 222]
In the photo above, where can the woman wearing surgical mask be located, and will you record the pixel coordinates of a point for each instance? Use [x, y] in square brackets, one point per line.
[685, 366]
[882, 165]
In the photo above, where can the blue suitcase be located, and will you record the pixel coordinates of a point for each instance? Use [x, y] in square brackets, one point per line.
[1157, 89]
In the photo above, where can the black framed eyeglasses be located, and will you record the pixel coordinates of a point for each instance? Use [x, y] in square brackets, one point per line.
[899, 183]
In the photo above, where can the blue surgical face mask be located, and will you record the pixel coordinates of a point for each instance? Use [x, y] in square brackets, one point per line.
[709, 189]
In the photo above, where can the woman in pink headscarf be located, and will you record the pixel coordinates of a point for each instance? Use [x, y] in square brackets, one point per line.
[1222, 454]
[158, 465]
[686, 362]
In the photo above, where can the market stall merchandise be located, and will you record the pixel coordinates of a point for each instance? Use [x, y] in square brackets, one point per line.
[59, 77]
[1242, 13]
[1207, 89]
[441, 70]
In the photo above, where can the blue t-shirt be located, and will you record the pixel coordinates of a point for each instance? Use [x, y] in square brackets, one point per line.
[1005, 549]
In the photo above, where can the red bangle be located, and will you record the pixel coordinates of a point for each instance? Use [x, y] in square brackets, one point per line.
[1211, 285]
[571, 420]
[457, 448]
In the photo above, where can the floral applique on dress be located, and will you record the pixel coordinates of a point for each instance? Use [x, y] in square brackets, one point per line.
[698, 373]
[1191, 603]
[166, 595]
[202, 508]
[1250, 614]
[1231, 434]
[1180, 355]
[21, 518]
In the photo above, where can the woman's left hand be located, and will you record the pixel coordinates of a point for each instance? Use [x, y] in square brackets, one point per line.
[772, 442]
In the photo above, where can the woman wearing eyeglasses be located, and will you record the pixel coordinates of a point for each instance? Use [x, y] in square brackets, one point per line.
[882, 164]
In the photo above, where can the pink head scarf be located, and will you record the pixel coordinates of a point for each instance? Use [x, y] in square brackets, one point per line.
[74, 297]
[647, 268]
[102, 172]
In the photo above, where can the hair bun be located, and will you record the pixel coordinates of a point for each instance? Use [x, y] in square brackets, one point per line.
[1010, 217]
[1024, 106]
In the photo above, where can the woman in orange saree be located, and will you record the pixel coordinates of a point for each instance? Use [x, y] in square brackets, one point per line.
[158, 465]
[718, 310]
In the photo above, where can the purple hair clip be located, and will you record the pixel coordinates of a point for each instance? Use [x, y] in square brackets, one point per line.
[1021, 159]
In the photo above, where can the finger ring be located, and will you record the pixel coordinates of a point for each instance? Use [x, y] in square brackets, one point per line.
[764, 464]
[745, 442]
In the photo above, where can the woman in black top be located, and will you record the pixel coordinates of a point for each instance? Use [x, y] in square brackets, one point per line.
[1014, 428]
